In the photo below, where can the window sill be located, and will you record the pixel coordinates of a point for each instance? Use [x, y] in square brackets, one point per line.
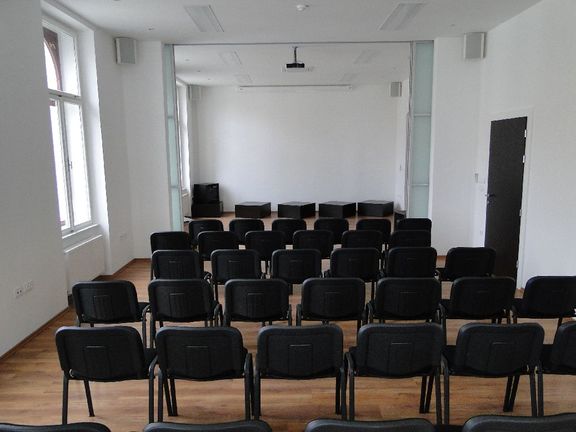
[74, 238]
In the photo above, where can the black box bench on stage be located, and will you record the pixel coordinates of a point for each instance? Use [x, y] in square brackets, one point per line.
[252, 209]
[375, 208]
[339, 209]
[296, 209]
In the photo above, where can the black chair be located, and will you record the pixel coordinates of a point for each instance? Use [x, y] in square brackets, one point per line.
[72, 427]
[234, 264]
[169, 240]
[547, 297]
[209, 241]
[257, 300]
[363, 263]
[336, 225]
[382, 225]
[411, 262]
[197, 226]
[109, 302]
[478, 298]
[494, 351]
[103, 354]
[398, 351]
[265, 243]
[241, 226]
[201, 354]
[332, 299]
[558, 358]
[239, 426]
[288, 226]
[182, 300]
[409, 238]
[177, 264]
[300, 353]
[362, 239]
[468, 261]
[296, 265]
[489, 423]
[414, 224]
[322, 240]
[405, 299]
[408, 425]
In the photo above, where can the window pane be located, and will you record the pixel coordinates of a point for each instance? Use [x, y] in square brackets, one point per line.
[60, 165]
[77, 158]
[52, 57]
[61, 62]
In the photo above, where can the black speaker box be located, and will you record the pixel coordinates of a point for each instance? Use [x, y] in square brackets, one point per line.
[205, 193]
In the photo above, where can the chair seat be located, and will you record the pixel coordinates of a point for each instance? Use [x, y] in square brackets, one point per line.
[449, 353]
[367, 372]
[450, 313]
[522, 312]
[549, 368]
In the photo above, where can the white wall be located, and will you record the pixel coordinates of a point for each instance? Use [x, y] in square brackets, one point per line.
[30, 230]
[529, 70]
[298, 146]
[454, 142]
[402, 109]
[145, 134]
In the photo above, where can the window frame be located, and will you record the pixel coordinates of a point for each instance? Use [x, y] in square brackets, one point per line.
[61, 98]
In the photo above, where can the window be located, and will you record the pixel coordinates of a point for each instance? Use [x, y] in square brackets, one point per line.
[67, 128]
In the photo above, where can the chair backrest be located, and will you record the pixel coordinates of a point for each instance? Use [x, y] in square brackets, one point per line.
[169, 240]
[411, 262]
[239, 426]
[241, 226]
[336, 225]
[197, 226]
[177, 264]
[398, 349]
[492, 423]
[408, 425]
[209, 241]
[106, 301]
[101, 353]
[235, 264]
[265, 242]
[200, 353]
[563, 353]
[414, 224]
[181, 300]
[498, 350]
[382, 225]
[362, 239]
[550, 295]
[299, 352]
[469, 261]
[296, 265]
[363, 263]
[333, 298]
[410, 238]
[288, 226]
[482, 297]
[322, 240]
[256, 299]
[71, 427]
[407, 298]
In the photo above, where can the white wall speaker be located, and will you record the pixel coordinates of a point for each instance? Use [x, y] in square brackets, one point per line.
[125, 50]
[474, 46]
[396, 89]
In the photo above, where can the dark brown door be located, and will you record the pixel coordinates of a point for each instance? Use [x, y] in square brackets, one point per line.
[504, 196]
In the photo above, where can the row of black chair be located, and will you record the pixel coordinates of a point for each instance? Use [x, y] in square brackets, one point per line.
[555, 423]
[383, 350]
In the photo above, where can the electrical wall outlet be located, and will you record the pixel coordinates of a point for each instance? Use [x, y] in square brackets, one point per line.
[18, 292]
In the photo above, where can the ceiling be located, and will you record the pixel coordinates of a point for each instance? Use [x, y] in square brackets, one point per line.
[252, 28]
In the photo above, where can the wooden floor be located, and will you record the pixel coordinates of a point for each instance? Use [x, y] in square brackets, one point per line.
[31, 387]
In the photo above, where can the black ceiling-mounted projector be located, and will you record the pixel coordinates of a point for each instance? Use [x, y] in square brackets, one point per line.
[295, 64]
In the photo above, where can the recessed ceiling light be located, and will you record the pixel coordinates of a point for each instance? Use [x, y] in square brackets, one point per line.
[302, 7]
[204, 18]
[402, 14]
[230, 58]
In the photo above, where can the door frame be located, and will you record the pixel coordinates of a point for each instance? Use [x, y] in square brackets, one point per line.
[527, 112]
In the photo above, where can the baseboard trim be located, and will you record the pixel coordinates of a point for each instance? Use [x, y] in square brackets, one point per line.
[35, 333]
[120, 270]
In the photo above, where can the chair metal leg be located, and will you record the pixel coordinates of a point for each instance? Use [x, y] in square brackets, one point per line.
[423, 394]
[161, 384]
[513, 392]
[507, 394]
[166, 395]
[446, 397]
[144, 336]
[343, 384]
[351, 401]
[533, 401]
[89, 398]
[65, 400]
[429, 394]
[173, 403]
[438, 397]
[257, 390]
[216, 291]
[540, 392]
[338, 401]
[247, 396]
[373, 285]
[151, 397]
[560, 321]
